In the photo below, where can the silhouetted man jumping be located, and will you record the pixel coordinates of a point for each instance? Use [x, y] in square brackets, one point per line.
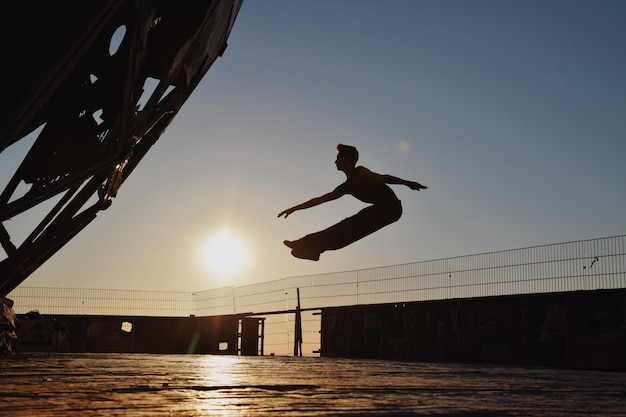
[363, 184]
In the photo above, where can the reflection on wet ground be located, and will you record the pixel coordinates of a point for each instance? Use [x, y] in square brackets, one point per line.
[198, 385]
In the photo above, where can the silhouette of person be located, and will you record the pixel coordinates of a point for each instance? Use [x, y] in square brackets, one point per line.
[366, 186]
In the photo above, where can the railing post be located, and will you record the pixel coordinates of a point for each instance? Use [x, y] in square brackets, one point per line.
[297, 343]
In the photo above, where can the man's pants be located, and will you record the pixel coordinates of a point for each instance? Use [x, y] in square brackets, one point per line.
[351, 229]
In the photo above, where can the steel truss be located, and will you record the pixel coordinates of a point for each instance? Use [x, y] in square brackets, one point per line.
[98, 82]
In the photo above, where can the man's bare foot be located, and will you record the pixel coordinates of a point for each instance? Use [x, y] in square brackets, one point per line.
[302, 254]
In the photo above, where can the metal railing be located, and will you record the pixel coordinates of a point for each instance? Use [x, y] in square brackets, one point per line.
[572, 266]
[102, 301]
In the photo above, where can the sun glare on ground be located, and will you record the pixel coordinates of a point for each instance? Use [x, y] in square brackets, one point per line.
[224, 254]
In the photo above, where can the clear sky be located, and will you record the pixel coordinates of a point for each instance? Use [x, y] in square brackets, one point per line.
[513, 113]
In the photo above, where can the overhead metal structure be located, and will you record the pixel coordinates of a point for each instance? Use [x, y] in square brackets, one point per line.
[97, 83]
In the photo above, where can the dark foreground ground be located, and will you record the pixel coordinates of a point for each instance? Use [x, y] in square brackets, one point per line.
[198, 385]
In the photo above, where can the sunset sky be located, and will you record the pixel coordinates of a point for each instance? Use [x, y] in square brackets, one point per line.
[513, 113]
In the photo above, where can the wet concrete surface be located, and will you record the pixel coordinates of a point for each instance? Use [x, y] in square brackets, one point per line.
[202, 385]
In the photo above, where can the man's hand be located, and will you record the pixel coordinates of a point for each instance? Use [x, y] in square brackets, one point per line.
[286, 212]
[416, 186]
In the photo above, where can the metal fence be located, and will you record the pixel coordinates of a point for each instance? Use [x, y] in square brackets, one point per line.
[102, 301]
[572, 266]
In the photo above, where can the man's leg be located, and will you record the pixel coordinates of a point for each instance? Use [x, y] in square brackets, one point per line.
[347, 231]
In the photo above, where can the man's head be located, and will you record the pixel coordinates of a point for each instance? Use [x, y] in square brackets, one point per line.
[348, 153]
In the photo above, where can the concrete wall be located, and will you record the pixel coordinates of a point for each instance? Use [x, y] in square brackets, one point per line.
[585, 330]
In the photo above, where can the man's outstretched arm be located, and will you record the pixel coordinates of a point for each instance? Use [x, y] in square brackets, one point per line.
[333, 195]
[390, 179]
[414, 185]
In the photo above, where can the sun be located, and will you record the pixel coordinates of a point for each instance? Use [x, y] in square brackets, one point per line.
[224, 254]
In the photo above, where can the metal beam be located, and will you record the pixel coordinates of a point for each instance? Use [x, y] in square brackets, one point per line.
[86, 94]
